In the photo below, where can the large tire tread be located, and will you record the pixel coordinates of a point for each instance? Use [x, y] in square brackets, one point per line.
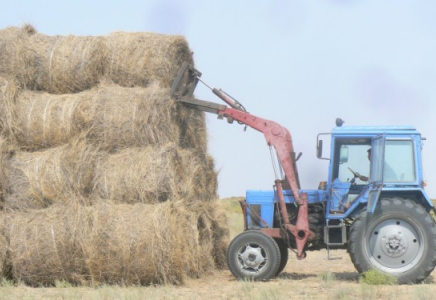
[267, 242]
[358, 232]
[284, 255]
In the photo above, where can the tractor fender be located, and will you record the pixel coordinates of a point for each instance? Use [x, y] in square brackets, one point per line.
[417, 195]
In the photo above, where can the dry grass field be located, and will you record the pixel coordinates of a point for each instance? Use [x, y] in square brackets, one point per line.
[316, 277]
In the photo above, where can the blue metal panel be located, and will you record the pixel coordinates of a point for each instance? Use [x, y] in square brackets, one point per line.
[364, 198]
[374, 130]
[267, 200]
[339, 194]
[352, 210]
[314, 196]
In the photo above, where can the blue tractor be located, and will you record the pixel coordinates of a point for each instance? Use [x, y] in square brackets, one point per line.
[373, 204]
[385, 219]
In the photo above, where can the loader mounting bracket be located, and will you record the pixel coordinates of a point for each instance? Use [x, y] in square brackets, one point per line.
[185, 83]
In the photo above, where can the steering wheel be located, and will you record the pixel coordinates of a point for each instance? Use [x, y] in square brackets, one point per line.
[356, 175]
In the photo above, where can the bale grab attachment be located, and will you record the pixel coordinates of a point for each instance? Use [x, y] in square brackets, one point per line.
[276, 136]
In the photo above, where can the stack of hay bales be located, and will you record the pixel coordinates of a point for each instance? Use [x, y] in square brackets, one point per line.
[103, 178]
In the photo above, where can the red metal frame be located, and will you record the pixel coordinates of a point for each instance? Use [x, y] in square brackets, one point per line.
[280, 138]
[276, 136]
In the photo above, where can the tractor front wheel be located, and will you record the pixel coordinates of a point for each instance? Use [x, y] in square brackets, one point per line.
[399, 238]
[253, 255]
[284, 255]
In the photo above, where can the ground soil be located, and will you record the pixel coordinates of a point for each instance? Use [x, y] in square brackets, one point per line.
[309, 279]
[316, 277]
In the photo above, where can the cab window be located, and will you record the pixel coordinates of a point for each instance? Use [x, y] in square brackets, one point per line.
[399, 161]
[352, 154]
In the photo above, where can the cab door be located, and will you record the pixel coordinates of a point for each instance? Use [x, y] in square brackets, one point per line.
[376, 172]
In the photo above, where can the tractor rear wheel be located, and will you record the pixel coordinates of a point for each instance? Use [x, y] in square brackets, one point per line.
[399, 238]
[253, 255]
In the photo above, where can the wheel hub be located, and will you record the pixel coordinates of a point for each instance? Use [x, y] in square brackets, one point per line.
[251, 258]
[394, 245]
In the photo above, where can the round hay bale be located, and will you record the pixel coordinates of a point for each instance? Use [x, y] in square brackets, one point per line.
[137, 59]
[122, 117]
[42, 120]
[114, 117]
[69, 64]
[45, 245]
[17, 58]
[145, 244]
[35, 180]
[114, 244]
[155, 174]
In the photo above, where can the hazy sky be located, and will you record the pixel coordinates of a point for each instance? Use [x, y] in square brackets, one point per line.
[301, 63]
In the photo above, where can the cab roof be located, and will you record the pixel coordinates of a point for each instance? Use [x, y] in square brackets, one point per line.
[395, 130]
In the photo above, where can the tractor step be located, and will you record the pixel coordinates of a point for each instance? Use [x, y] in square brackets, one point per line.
[335, 234]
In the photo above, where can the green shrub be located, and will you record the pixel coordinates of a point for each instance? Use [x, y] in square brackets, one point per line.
[6, 283]
[376, 277]
[62, 284]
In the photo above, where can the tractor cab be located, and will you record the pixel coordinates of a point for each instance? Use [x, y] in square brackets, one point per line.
[366, 162]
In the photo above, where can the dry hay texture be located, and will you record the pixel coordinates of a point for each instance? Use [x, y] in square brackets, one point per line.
[156, 174]
[36, 180]
[42, 120]
[117, 244]
[122, 117]
[113, 117]
[103, 178]
[8, 92]
[4, 261]
[136, 59]
[17, 59]
[70, 64]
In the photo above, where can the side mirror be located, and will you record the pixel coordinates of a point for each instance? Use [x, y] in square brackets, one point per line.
[319, 149]
[344, 154]
[319, 143]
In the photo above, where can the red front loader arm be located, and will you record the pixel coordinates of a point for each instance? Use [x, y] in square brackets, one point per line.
[279, 137]
[276, 136]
